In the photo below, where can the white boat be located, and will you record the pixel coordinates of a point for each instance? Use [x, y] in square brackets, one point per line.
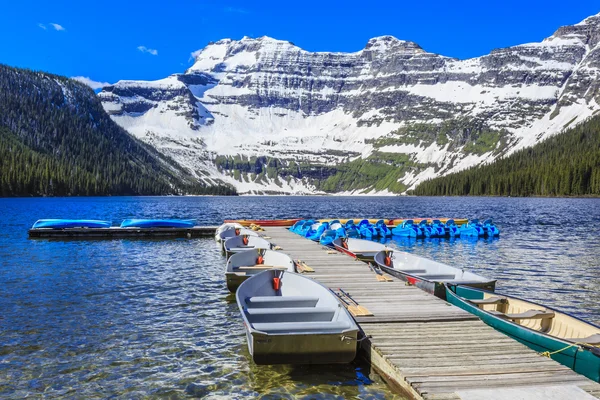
[246, 264]
[427, 274]
[224, 227]
[240, 243]
[231, 232]
[291, 319]
[358, 248]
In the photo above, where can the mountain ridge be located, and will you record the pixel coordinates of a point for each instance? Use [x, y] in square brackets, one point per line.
[57, 140]
[267, 99]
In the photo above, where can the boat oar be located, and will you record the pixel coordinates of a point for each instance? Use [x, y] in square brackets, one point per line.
[363, 310]
[302, 267]
[351, 308]
[380, 276]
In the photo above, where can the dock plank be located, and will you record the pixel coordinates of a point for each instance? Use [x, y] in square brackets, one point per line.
[422, 345]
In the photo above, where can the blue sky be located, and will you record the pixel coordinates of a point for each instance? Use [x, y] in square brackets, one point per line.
[130, 39]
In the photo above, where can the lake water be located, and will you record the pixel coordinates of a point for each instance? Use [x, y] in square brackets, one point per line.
[152, 318]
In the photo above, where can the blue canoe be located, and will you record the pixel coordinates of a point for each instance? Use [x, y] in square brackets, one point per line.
[158, 223]
[70, 223]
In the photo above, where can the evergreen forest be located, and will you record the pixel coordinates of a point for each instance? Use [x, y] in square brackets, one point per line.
[57, 140]
[567, 164]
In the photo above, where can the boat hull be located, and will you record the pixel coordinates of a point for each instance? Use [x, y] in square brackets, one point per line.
[580, 360]
[365, 251]
[157, 223]
[292, 319]
[264, 222]
[436, 288]
[368, 256]
[70, 223]
[302, 348]
[234, 280]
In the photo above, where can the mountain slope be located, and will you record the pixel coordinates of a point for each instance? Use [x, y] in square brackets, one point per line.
[567, 164]
[56, 139]
[299, 121]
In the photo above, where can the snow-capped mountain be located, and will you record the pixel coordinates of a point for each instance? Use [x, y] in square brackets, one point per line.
[267, 116]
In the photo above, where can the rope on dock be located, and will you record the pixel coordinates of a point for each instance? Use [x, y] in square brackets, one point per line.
[551, 353]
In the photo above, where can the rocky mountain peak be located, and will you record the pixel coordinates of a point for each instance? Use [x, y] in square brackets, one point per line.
[391, 44]
[217, 56]
[255, 102]
[587, 31]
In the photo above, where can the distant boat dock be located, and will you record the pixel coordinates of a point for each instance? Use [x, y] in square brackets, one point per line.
[117, 232]
[429, 349]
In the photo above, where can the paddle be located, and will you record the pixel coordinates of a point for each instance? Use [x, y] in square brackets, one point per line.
[380, 276]
[363, 310]
[351, 308]
[302, 267]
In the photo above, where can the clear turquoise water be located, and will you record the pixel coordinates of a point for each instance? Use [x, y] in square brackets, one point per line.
[152, 318]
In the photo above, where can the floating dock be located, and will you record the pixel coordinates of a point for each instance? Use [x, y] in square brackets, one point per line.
[428, 349]
[116, 232]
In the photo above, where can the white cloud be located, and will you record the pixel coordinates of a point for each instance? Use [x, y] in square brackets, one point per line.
[91, 83]
[57, 26]
[42, 26]
[145, 49]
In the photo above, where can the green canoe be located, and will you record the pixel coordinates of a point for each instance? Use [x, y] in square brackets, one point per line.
[568, 340]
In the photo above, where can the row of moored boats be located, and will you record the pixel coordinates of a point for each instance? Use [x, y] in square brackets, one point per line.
[289, 319]
[325, 232]
[292, 319]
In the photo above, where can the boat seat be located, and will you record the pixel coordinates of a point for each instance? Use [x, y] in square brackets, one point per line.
[594, 339]
[490, 300]
[432, 277]
[414, 271]
[259, 267]
[281, 301]
[531, 314]
[293, 314]
[302, 327]
[496, 313]
[238, 249]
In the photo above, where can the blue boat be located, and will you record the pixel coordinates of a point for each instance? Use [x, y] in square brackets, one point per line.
[384, 231]
[408, 229]
[316, 230]
[328, 237]
[349, 223]
[352, 232]
[471, 229]
[70, 223]
[424, 226]
[438, 229]
[452, 229]
[158, 223]
[294, 228]
[302, 230]
[367, 230]
[489, 229]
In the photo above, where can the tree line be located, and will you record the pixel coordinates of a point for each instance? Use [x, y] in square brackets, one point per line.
[57, 140]
[567, 164]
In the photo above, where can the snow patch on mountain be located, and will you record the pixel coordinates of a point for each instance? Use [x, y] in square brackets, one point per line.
[268, 98]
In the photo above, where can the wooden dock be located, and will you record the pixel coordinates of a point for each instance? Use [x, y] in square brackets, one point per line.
[116, 233]
[428, 349]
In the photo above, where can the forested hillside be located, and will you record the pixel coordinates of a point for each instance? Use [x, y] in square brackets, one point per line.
[57, 140]
[567, 164]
